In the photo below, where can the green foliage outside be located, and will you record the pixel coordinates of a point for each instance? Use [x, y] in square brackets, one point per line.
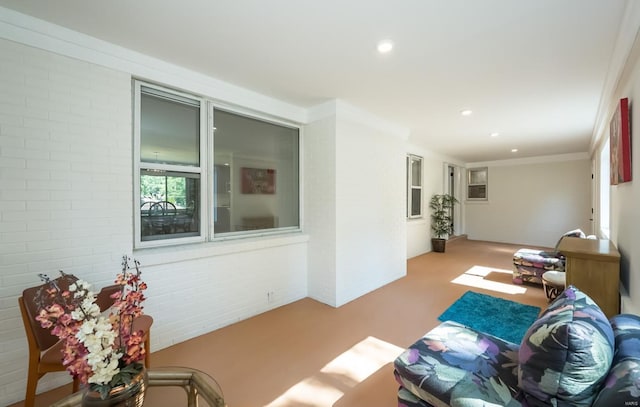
[164, 188]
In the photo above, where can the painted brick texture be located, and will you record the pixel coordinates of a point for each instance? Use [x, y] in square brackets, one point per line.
[65, 164]
[66, 202]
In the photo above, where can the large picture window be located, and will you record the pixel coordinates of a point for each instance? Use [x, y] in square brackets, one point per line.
[255, 174]
[254, 182]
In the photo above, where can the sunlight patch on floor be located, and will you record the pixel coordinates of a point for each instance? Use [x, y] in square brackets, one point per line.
[342, 373]
[476, 277]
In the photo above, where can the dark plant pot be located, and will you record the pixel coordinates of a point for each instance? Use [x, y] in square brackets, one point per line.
[438, 245]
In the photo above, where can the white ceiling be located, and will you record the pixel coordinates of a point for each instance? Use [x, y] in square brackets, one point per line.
[532, 70]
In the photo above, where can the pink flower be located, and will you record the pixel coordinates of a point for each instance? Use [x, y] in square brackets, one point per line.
[95, 348]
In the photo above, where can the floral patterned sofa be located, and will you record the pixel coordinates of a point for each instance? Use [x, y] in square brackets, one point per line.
[530, 264]
[571, 356]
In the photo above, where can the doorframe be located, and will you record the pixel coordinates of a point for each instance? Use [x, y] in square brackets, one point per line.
[453, 175]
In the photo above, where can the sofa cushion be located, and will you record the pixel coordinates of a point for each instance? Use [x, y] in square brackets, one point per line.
[566, 354]
[453, 365]
[622, 386]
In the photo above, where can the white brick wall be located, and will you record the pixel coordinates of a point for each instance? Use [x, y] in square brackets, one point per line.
[371, 216]
[64, 155]
[354, 205]
[320, 207]
[66, 203]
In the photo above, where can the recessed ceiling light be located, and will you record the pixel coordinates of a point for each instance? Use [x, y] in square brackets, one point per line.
[514, 150]
[466, 112]
[385, 46]
[495, 134]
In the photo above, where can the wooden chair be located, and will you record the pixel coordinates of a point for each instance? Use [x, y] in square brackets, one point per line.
[45, 349]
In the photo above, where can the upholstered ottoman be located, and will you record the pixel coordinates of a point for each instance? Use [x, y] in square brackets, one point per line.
[529, 265]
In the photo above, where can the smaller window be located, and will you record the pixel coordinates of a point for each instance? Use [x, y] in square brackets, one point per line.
[477, 184]
[169, 166]
[414, 186]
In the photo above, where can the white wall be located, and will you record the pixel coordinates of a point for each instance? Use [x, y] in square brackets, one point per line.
[625, 215]
[66, 202]
[320, 207]
[433, 176]
[370, 217]
[354, 206]
[532, 203]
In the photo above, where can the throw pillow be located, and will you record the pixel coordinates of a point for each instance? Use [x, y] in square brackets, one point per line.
[572, 233]
[566, 354]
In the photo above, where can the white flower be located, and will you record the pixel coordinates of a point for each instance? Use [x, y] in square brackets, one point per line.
[77, 315]
[104, 373]
[98, 336]
[83, 284]
[90, 307]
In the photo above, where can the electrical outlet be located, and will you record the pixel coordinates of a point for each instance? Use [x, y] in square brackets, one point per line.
[270, 296]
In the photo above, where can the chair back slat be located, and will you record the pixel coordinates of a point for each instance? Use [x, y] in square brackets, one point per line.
[36, 297]
[104, 300]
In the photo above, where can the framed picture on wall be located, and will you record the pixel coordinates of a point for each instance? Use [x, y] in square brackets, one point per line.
[620, 144]
[258, 180]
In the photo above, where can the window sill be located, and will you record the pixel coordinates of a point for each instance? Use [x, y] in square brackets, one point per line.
[174, 254]
[416, 220]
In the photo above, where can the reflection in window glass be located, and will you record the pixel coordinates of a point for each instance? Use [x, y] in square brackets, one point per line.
[169, 129]
[255, 178]
[416, 169]
[415, 202]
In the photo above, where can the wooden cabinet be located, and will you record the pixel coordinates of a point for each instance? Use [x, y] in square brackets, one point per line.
[593, 266]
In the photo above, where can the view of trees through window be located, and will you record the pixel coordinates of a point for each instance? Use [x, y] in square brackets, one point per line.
[164, 188]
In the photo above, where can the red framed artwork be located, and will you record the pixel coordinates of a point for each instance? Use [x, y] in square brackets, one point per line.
[258, 181]
[620, 144]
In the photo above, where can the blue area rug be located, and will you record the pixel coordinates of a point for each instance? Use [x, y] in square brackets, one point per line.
[502, 318]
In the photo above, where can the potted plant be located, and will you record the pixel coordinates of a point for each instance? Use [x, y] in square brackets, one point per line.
[104, 352]
[441, 220]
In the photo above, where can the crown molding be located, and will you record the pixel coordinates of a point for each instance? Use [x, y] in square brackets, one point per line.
[531, 160]
[625, 43]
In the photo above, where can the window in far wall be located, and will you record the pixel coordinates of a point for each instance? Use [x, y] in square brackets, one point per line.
[477, 184]
[604, 189]
[414, 186]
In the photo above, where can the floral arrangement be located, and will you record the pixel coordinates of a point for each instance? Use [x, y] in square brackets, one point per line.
[103, 351]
